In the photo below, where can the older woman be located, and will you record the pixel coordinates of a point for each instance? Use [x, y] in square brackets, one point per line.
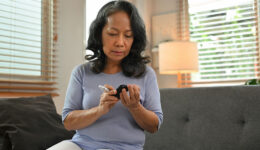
[102, 120]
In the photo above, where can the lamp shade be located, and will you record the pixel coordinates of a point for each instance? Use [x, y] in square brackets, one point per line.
[178, 57]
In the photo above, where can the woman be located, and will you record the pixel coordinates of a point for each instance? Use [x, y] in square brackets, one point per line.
[101, 120]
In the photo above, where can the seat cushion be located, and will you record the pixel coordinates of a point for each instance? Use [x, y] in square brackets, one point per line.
[209, 118]
[31, 123]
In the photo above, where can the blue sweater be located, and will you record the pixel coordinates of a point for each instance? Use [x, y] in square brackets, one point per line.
[117, 129]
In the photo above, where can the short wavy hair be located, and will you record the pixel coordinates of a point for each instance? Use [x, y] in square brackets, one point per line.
[134, 64]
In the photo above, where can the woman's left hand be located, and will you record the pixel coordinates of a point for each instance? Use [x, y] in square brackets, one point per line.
[146, 119]
[132, 100]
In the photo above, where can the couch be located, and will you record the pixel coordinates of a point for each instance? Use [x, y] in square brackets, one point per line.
[30, 123]
[208, 118]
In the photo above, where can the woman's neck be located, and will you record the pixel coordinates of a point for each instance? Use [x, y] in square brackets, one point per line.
[112, 68]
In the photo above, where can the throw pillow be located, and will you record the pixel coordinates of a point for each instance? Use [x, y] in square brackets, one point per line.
[31, 123]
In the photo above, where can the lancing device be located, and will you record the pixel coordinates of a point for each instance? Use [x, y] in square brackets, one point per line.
[104, 89]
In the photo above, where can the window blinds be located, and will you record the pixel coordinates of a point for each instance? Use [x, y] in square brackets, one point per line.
[228, 41]
[28, 36]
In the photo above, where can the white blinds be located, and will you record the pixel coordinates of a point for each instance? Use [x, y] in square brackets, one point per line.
[28, 36]
[228, 42]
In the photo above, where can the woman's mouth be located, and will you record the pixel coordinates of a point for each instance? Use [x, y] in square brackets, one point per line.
[118, 53]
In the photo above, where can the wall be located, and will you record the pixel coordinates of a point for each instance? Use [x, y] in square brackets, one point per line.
[145, 8]
[71, 30]
[148, 8]
[163, 7]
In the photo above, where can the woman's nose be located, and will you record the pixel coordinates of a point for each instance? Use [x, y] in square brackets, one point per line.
[120, 41]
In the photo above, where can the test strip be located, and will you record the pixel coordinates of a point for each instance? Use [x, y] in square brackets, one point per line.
[104, 89]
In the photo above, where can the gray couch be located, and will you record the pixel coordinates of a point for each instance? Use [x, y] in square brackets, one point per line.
[215, 118]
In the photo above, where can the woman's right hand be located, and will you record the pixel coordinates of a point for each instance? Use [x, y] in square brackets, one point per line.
[107, 100]
[79, 119]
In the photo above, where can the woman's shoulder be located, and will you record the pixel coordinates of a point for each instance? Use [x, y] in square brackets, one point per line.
[149, 72]
[81, 68]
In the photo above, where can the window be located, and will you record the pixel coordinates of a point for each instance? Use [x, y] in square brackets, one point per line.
[92, 8]
[228, 41]
[28, 36]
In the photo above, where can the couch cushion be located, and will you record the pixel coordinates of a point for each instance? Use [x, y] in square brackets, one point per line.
[215, 118]
[1, 141]
[31, 123]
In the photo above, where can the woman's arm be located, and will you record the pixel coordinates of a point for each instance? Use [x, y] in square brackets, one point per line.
[146, 119]
[79, 119]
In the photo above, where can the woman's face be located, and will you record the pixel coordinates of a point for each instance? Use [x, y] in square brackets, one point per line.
[117, 37]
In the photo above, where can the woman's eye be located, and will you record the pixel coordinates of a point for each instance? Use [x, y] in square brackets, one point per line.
[129, 36]
[112, 34]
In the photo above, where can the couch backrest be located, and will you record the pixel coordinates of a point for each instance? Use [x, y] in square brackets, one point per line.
[215, 118]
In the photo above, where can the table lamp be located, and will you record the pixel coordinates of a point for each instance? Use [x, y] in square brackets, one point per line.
[178, 57]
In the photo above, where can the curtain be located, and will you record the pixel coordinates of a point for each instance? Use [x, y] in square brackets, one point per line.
[227, 34]
[28, 37]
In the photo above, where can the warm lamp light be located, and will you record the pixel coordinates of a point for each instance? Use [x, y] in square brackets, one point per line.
[178, 57]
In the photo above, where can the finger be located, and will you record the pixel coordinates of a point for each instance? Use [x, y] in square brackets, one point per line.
[109, 87]
[111, 98]
[107, 97]
[137, 87]
[131, 91]
[122, 98]
[112, 92]
[111, 102]
[126, 98]
[137, 92]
